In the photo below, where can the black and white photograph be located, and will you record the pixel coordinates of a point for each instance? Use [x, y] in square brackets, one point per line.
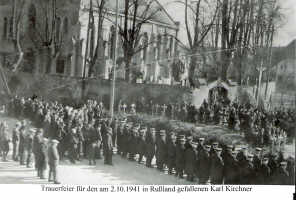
[148, 92]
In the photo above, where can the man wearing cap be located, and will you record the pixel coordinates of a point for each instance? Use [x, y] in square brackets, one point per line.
[217, 167]
[133, 141]
[107, 146]
[29, 147]
[141, 144]
[257, 163]
[127, 131]
[204, 165]
[5, 140]
[200, 151]
[22, 146]
[37, 139]
[43, 158]
[230, 164]
[265, 172]
[53, 161]
[171, 160]
[161, 150]
[120, 135]
[73, 146]
[180, 156]
[281, 176]
[248, 173]
[15, 141]
[191, 161]
[151, 146]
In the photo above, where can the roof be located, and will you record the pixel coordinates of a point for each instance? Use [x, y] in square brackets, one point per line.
[218, 83]
[160, 16]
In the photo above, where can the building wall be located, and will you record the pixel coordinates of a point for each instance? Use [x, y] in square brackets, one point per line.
[162, 46]
[35, 57]
[70, 89]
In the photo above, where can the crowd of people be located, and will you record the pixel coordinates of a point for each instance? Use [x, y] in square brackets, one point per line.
[261, 127]
[64, 132]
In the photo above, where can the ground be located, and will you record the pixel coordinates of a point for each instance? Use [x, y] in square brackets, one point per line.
[123, 171]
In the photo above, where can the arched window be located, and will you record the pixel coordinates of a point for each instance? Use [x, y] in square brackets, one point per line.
[32, 16]
[159, 38]
[171, 46]
[145, 46]
[111, 41]
[5, 28]
[11, 27]
[66, 25]
[58, 28]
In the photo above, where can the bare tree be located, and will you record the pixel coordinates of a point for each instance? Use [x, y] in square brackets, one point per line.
[18, 13]
[204, 18]
[136, 14]
[96, 53]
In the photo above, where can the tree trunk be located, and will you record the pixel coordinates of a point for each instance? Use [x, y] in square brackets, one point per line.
[128, 61]
[192, 67]
[225, 64]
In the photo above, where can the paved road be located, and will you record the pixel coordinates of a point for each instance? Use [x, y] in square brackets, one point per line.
[123, 172]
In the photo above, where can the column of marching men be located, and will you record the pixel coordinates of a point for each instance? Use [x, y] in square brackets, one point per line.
[81, 133]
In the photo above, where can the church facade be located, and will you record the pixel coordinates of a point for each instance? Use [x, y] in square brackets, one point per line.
[70, 29]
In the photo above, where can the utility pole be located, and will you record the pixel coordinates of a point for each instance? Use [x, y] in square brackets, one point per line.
[114, 63]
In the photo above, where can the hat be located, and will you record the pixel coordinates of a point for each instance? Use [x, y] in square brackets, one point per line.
[194, 144]
[33, 130]
[215, 144]
[181, 136]
[189, 137]
[218, 149]
[258, 149]
[250, 156]
[182, 140]
[283, 163]
[201, 139]
[39, 130]
[54, 142]
[265, 158]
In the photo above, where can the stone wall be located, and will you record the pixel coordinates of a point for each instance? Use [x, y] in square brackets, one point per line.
[74, 89]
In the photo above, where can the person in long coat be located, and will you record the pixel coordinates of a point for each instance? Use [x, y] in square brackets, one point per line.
[150, 146]
[191, 161]
[5, 140]
[43, 158]
[53, 161]
[180, 156]
[22, 146]
[37, 149]
[281, 176]
[107, 146]
[141, 145]
[161, 146]
[15, 142]
[171, 160]
[204, 165]
[217, 168]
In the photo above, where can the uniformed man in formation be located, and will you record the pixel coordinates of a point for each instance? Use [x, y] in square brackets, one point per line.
[86, 131]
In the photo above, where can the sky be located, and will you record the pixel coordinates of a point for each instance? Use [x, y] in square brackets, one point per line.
[284, 36]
